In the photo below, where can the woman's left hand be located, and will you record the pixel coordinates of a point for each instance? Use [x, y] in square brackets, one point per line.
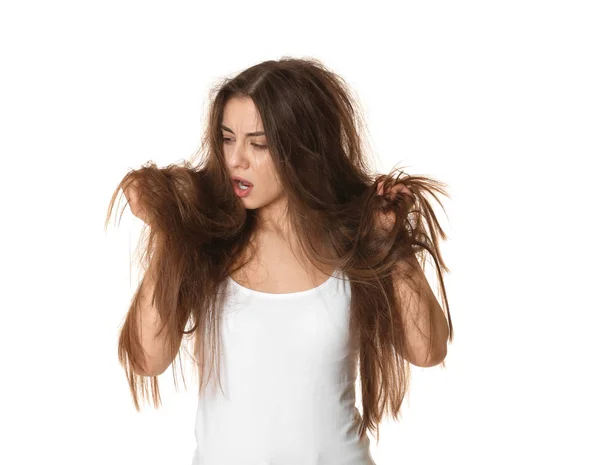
[386, 221]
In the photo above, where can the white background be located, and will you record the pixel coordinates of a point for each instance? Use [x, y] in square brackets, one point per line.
[500, 100]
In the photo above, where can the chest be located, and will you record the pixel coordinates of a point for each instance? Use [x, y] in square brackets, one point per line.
[276, 270]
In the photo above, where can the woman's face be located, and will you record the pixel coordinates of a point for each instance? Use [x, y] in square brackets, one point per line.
[247, 155]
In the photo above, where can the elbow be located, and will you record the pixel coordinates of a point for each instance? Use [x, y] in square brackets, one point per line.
[430, 360]
[149, 373]
[151, 370]
[441, 356]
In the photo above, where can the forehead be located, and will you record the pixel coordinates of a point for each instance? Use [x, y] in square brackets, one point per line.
[240, 114]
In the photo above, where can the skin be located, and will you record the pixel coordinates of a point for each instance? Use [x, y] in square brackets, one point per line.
[385, 221]
[276, 268]
[249, 157]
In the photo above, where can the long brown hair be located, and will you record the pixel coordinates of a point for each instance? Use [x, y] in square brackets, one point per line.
[200, 230]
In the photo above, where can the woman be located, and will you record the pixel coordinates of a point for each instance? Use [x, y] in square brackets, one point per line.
[287, 263]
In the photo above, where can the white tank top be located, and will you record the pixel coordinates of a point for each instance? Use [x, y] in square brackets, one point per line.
[288, 371]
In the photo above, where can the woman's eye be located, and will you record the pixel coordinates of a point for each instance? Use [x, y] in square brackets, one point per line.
[227, 140]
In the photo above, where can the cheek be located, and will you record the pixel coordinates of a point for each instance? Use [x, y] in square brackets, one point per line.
[269, 177]
[275, 186]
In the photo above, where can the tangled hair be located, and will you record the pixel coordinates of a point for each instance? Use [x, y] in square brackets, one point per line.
[200, 231]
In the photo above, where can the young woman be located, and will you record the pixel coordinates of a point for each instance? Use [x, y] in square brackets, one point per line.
[291, 267]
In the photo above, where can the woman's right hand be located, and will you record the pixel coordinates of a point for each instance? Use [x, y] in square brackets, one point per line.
[132, 194]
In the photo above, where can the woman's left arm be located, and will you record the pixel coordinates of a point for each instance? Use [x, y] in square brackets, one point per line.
[419, 307]
[426, 343]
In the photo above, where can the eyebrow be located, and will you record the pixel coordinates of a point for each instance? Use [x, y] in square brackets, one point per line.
[249, 134]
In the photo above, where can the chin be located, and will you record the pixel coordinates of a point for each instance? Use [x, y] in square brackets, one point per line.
[248, 203]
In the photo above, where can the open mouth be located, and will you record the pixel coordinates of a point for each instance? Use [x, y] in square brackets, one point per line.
[241, 188]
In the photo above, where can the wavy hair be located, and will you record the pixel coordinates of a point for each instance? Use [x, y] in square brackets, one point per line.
[201, 232]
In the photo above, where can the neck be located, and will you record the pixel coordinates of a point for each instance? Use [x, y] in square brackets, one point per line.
[273, 218]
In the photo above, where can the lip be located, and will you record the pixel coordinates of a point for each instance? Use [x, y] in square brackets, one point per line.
[245, 181]
[240, 192]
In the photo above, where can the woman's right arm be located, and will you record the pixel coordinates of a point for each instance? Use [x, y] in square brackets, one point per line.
[157, 350]
[158, 355]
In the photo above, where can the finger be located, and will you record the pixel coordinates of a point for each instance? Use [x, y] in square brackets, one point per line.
[395, 189]
[403, 189]
[131, 193]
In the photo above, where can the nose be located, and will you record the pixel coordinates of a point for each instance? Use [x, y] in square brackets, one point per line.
[236, 156]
